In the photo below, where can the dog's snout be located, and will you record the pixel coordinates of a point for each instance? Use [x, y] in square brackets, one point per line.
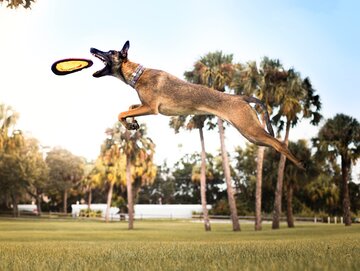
[93, 50]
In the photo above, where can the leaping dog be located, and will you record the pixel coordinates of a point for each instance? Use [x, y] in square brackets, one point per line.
[161, 92]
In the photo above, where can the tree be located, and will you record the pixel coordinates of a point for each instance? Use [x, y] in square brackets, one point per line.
[186, 177]
[296, 100]
[138, 150]
[246, 177]
[295, 177]
[8, 118]
[161, 191]
[16, 3]
[354, 193]
[22, 167]
[12, 182]
[65, 172]
[109, 168]
[263, 82]
[323, 194]
[197, 122]
[215, 70]
[89, 180]
[35, 169]
[340, 137]
[186, 190]
[12, 175]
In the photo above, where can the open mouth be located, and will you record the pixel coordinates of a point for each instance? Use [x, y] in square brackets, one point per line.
[100, 55]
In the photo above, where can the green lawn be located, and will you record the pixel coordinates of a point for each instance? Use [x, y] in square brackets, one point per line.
[174, 245]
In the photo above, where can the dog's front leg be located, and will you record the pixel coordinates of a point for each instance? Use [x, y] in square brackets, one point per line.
[134, 111]
[133, 121]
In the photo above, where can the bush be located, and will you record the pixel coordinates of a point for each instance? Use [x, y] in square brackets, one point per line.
[89, 213]
[221, 207]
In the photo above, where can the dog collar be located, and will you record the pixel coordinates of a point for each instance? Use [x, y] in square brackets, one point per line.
[136, 75]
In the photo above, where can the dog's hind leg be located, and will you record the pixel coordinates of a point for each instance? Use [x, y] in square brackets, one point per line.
[265, 112]
[265, 139]
[247, 123]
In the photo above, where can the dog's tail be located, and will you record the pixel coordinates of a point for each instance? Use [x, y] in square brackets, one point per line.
[266, 114]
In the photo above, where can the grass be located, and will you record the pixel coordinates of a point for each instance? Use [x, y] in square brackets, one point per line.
[174, 245]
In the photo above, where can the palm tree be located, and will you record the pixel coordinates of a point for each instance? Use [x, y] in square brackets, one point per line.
[129, 156]
[215, 70]
[109, 168]
[295, 177]
[89, 180]
[139, 167]
[197, 122]
[296, 99]
[323, 193]
[340, 136]
[8, 118]
[200, 123]
[262, 82]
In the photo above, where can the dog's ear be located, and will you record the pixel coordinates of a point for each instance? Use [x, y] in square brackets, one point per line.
[125, 49]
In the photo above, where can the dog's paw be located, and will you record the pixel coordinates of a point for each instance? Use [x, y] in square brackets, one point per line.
[132, 126]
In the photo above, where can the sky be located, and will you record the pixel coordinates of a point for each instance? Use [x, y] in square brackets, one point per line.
[320, 39]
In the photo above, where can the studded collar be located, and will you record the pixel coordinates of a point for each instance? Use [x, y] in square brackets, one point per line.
[136, 75]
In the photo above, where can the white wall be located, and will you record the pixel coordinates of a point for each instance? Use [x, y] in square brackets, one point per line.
[144, 211]
[75, 209]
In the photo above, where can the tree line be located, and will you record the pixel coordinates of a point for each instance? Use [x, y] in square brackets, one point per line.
[289, 98]
[124, 172]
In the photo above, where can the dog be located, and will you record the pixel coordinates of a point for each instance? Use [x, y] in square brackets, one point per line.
[161, 92]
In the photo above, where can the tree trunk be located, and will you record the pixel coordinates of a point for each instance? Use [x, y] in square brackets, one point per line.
[226, 167]
[279, 184]
[65, 201]
[108, 202]
[129, 193]
[89, 198]
[38, 204]
[258, 192]
[203, 182]
[345, 164]
[15, 205]
[289, 209]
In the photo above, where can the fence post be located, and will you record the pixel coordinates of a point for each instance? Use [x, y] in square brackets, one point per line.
[341, 220]
[328, 219]
[335, 220]
[315, 220]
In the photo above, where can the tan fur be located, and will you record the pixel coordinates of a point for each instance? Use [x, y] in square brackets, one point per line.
[161, 92]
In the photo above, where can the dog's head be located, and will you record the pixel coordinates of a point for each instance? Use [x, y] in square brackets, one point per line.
[112, 60]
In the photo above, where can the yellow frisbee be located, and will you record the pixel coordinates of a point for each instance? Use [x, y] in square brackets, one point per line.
[70, 65]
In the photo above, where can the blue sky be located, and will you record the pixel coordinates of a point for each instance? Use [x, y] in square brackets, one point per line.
[320, 39]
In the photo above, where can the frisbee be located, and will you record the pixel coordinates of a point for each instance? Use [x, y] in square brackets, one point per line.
[70, 65]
